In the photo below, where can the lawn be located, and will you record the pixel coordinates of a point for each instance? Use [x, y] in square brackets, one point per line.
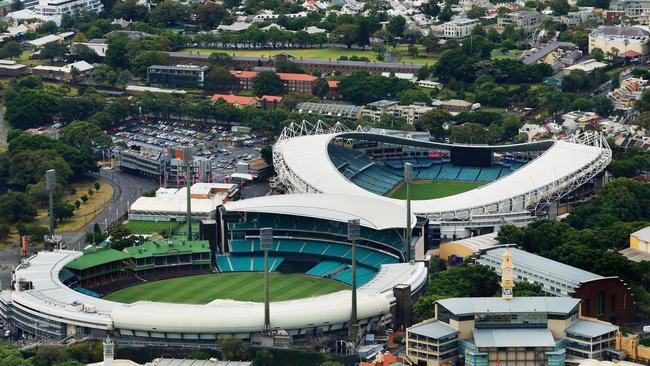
[242, 286]
[313, 53]
[432, 189]
[151, 227]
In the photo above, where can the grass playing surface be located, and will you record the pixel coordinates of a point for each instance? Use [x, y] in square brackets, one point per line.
[313, 53]
[150, 227]
[242, 286]
[432, 189]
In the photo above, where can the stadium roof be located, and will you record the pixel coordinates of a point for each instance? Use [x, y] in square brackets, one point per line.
[537, 264]
[226, 316]
[159, 248]
[95, 257]
[307, 159]
[188, 362]
[474, 305]
[172, 204]
[513, 338]
[375, 214]
[479, 242]
[590, 329]
[434, 329]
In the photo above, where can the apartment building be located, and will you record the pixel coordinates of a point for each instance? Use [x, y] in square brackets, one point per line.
[636, 10]
[527, 20]
[301, 83]
[60, 7]
[619, 39]
[185, 76]
[459, 28]
[410, 113]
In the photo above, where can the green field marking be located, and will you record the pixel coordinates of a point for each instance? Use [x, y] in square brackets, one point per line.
[150, 227]
[425, 190]
[242, 286]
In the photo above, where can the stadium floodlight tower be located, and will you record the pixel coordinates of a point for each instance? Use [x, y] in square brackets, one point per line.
[187, 157]
[408, 179]
[266, 241]
[50, 185]
[354, 228]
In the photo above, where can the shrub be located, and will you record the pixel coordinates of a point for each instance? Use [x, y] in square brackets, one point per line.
[84, 198]
[97, 185]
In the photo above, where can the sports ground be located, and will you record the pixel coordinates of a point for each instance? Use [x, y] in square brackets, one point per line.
[426, 190]
[241, 286]
[150, 227]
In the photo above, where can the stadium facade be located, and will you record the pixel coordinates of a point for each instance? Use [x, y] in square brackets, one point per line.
[520, 182]
[58, 294]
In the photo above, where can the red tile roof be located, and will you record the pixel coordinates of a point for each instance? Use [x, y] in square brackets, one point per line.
[333, 83]
[297, 77]
[629, 53]
[244, 74]
[233, 99]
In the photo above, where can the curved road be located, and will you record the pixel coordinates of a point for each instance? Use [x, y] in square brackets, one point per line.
[126, 189]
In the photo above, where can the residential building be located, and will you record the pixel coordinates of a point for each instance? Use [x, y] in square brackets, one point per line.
[12, 68]
[508, 330]
[67, 72]
[619, 39]
[574, 19]
[410, 113]
[459, 28]
[550, 53]
[527, 20]
[639, 249]
[604, 298]
[587, 66]
[628, 93]
[636, 10]
[301, 83]
[60, 7]
[265, 101]
[186, 76]
[452, 105]
[168, 166]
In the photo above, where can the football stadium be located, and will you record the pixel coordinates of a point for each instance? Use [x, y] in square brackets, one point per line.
[173, 291]
[463, 190]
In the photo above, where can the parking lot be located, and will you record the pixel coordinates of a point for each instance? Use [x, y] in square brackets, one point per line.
[217, 143]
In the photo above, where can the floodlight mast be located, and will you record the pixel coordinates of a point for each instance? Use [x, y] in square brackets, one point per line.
[266, 241]
[353, 235]
[50, 185]
[187, 157]
[408, 179]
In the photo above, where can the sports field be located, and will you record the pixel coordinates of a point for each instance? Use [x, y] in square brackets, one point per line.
[432, 189]
[151, 227]
[242, 286]
[313, 53]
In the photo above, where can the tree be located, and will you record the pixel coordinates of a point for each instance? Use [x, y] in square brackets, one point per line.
[598, 54]
[322, 87]
[455, 64]
[430, 43]
[263, 358]
[210, 14]
[525, 289]
[15, 207]
[331, 363]
[49, 355]
[124, 78]
[219, 79]
[145, 59]
[471, 133]
[476, 12]
[169, 12]
[643, 104]
[17, 5]
[559, 7]
[396, 26]
[232, 349]
[82, 52]
[117, 54]
[31, 108]
[411, 96]
[86, 135]
[267, 83]
[11, 49]
[53, 50]
[346, 34]
[603, 106]
[63, 210]
[446, 13]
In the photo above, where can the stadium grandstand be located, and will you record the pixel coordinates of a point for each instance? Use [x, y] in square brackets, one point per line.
[463, 190]
[64, 294]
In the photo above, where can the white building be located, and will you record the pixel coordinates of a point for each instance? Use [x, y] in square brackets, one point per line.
[619, 39]
[527, 20]
[459, 28]
[60, 7]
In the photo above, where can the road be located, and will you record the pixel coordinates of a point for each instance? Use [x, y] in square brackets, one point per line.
[126, 189]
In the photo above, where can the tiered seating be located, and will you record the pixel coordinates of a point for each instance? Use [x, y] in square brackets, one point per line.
[223, 261]
[377, 179]
[274, 263]
[241, 264]
[324, 268]
[429, 172]
[449, 172]
[364, 274]
[241, 246]
[489, 174]
[468, 174]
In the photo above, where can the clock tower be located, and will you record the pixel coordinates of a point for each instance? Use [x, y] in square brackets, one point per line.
[109, 351]
[507, 278]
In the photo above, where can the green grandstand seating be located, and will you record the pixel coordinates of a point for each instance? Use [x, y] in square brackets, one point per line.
[324, 268]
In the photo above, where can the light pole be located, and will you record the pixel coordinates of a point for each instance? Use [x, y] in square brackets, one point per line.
[266, 240]
[187, 156]
[50, 184]
[408, 179]
[353, 235]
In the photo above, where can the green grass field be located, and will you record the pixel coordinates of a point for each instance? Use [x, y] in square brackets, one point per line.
[242, 286]
[314, 53]
[151, 227]
[432, 189]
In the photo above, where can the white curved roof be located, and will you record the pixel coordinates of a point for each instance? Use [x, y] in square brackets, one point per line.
[373, 213]
[223, 316]
[306, 156]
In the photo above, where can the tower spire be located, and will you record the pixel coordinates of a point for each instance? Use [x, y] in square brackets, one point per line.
[507, 279]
